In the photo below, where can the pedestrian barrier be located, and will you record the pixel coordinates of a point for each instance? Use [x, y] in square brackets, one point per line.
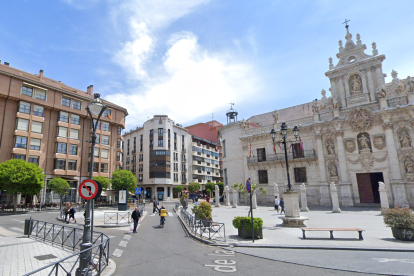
[69, 238]
[117, 217]
[204, 228]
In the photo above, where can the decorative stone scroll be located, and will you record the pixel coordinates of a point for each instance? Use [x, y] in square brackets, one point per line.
[349, 144]
[360, 119]
[367, 160]
[379, 141]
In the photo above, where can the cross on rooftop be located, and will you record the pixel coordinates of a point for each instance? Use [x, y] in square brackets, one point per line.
[346, 23]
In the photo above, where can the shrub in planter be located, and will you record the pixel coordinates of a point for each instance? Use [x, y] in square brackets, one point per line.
[244, 225]
[401, 221]
[203, 210]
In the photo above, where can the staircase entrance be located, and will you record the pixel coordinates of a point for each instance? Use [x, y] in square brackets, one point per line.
[368, 187]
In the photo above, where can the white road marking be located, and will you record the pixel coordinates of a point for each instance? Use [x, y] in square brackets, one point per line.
[22, 221]
[123, 243]
[111, 237]
[170, 215]
[117, 253]
[152, 215]
[385, 260]
[16, 229]
[127, 237]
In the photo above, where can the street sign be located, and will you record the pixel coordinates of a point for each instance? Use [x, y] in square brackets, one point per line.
[145, 192]
[89, 189]
[248, 185]
[196, 191]
[137, 191]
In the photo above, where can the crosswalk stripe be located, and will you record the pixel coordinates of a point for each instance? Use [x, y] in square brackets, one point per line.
[170, 214]
[123, 243]
[127, 237]
[118, 253]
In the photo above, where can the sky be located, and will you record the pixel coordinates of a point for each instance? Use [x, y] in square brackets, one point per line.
[189, 59]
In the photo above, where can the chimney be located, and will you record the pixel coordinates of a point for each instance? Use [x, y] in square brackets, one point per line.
[89, 90]
[6, 63]
[41, 74]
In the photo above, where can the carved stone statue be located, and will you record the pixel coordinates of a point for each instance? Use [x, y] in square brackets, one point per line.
[334, 102]
[243, 125]
[356, 85]
[333, 172]
[315, 107]
[381, 92]
[409, 165]
[330, 147]
[363, 142]
[410, 85]
[404, 138]
[275, 115]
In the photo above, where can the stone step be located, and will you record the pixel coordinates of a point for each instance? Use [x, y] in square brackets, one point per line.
[367, 205]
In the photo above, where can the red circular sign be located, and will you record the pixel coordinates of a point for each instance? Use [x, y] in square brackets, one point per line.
[196, 191]
[248, 185]
[88, 189]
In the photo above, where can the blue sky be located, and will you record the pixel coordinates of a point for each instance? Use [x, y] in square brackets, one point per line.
[189, 59]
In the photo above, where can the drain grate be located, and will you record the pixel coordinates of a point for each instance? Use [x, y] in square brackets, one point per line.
[45, 257]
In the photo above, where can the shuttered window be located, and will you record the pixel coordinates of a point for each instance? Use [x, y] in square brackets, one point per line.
[74, 119]
[64, 117]
[63, 131]
[105, 126]
[22, 124]
[24, 107]
[97, 138]
[105, 139]
[40, 94]
[104, 153]
[74, 133]
[34, 144]
[38, 110]
[96, 152]
[37, 127]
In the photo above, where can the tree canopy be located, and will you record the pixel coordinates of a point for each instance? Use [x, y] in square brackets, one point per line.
[178, 188]
[221, 187]
[60, 186]
[192, 187]
[123, 179]
[210, 186]
[105, 182]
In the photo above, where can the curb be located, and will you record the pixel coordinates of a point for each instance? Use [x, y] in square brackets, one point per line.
[110, 269]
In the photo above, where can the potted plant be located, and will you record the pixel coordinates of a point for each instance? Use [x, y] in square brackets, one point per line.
[244, 227]
[401, 221]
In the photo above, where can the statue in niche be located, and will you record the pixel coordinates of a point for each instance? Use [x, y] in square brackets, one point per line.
[333, 172]
[275, 115]
[330, 147]
[334, 102]
[404, 138]
[409, 165]
[315, 107]
[364, 142]
[356, 85]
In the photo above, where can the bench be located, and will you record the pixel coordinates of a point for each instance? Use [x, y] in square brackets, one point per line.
[331, 231]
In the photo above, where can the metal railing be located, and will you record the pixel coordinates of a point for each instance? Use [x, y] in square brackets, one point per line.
[204, 228]
[117, 217]
[281, 157]
[69, 238]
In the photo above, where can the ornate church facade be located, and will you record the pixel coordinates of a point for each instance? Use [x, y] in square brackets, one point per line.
[361, 135]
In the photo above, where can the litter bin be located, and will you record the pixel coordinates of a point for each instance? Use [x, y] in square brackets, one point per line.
[28, 226]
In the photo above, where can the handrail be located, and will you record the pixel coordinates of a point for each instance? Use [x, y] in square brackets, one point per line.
[281, 157]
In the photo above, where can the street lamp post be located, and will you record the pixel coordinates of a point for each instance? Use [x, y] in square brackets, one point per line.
[95, 109]
[142, 192]
[283, 133]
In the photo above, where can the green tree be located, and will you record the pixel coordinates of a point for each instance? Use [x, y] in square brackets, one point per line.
[178, 188]
[210, 186]
[18, 176]
[192, 187]
[105, 182]
[208, 191]
[123, 179]
[60, 186]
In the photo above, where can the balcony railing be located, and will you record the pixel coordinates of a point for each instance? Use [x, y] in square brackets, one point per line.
[281, 157]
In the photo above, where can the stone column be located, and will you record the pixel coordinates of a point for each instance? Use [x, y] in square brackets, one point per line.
[383, 196]
[235, 194]
[343, 170]
[254, 200]
[217, 195]
[392, 151]
[303, 198]
[334, 196]
[227, 192]
[321, 157]
[371, 85]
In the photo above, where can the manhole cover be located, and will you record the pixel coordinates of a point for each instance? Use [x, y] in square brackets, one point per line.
[45, 257]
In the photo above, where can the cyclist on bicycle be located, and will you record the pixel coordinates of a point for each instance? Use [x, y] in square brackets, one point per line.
[161, 217]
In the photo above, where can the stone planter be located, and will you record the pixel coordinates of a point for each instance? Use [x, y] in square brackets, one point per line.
[403, 234]
[248, 234]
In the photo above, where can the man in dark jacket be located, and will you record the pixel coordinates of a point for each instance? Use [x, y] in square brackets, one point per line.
[154, 206]
[135, 216]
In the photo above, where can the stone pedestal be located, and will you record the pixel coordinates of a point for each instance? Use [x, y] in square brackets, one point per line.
[292, 217]
[336, 112]
[217, 195]
[254, 200]
[400, 196]
[335, 201]
[383, 103]
[303, 199]
[316, 117]
[383, 196]
[227, 192]
[235, 195]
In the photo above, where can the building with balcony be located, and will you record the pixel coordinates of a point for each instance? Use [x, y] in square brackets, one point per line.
[360, 136]
[160, 151]
[44, 121]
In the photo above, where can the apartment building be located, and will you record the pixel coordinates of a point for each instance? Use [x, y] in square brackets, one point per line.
[44, 121]
[157, 154]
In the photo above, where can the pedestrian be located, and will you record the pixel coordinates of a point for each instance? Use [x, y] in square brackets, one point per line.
[67, 212]
[282, 205]
[136, 216]
[154, 206]
[185, 204]
[208, 199]
[72, 212]
[277, 204]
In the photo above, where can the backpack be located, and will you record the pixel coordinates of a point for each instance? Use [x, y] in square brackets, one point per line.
[74, 210]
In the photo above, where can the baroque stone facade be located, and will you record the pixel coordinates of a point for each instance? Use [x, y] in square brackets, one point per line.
[359, 136]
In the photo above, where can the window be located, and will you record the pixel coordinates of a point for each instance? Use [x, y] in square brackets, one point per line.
[119, 130]
[151, 143]
[224, 148]
[98, 138]
[22, 124]
[175, 136]
[74, 133]
[74, 119]
[105, 126]
[119, 143]
[38, 110]
[300, 175]
[108, 112]
[64, 117]
[169, 133]
[104, 167]
[182, 136]
[175, 145]
[151, 133]
[263, 176]
[160, 143]
[96, 152]
[19, 156]
[73, 149]
[61, 148]
[95, 167]
[40, 94]
[261, 155]
[104, 153]
[105, 139]
[160, 133]
[63, 131]
[37, 127]
[34, 144]
[72, 165]
[169, 144]
[60, 164]
[34, 159]
[65, 101]
[21, 142]
[225, 177]
[98, 126]
[118, 156]
[24, 107]
[297, 151]
[77, 105]
[27, 90]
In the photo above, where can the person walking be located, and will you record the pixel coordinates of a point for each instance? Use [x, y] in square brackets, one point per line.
[277, 204]
[282, 205]
[208, 199]
[67, 212]
[136, 216]
[72, 212]
[154, 206]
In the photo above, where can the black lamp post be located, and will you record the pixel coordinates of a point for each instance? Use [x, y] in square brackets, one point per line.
[95, 109]
[283, 133]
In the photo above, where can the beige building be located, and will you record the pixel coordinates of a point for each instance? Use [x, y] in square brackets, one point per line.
[361, 135]
[44, 121]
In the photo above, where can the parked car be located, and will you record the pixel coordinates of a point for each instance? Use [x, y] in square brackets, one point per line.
[221, 199]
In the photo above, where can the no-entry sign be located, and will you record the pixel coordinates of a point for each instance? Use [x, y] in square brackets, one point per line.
[90, 189]
[248, 185]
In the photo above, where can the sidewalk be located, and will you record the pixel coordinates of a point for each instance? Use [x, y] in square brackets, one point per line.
[376, 235]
